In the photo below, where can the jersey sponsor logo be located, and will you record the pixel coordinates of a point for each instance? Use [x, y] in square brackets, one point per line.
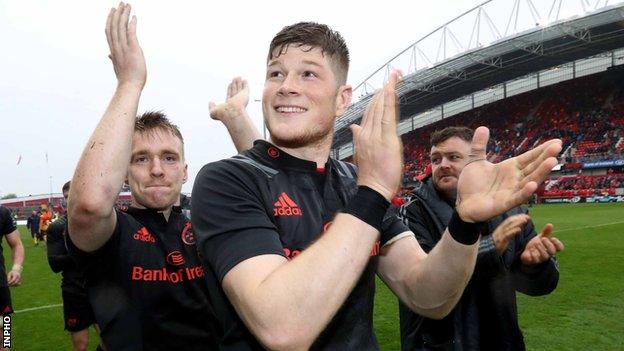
[286, 207]
[188, 236]
[165, 275]
[175, 258]
[376, 248]
[143, 235]
[290, 254]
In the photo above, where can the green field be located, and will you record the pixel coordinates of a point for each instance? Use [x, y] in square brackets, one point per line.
[584, 313]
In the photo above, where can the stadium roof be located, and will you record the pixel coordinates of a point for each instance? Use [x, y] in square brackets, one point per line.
[534, 49]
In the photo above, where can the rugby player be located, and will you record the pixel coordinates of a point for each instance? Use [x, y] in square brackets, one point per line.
[13, 278]
[77, 311]
[145, 282]
[291, 239]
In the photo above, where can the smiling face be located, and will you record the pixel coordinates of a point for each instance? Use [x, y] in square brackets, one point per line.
[157, 169]
[302, 96]
[448, 158]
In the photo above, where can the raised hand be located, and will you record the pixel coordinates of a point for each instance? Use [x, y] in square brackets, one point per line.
[235, 102]
[125, 52]
[485, 190]
[509, 228]
[378, 149]
[541, 247]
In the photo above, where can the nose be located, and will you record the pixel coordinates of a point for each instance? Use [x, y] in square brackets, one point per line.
[445, 162]
[156, 169]
[289, 86]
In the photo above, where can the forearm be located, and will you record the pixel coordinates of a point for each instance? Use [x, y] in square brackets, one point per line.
[241, 129]
[102, 168]
[295, 302]
[433, 286]
[18, 254]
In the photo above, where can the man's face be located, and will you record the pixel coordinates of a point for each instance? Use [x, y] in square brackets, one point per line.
[447, 161]
[301, 97]
[157, 169]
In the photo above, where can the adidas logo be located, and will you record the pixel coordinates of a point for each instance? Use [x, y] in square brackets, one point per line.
[285, 206]
[144, 235]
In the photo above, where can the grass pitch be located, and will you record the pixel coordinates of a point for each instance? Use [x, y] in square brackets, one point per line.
[583, 313]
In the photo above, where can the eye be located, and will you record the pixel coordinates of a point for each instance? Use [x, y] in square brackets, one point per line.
[275, 74]
[435, 160]
[170, 158]
[309, 74]
[141, 159]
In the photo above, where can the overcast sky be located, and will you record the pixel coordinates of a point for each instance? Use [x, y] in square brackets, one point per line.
[56, 79]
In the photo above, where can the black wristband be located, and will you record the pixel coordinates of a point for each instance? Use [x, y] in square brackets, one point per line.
[369, 206]
[464, 232]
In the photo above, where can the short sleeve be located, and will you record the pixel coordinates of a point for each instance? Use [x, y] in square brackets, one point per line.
[7, 222]
[392, 226]
[229, 217]
[99, 263]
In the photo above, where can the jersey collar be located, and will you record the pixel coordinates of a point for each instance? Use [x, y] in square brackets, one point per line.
[276, 156]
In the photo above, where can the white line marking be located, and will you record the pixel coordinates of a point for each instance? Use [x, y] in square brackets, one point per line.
[39, 308]
[555, 231]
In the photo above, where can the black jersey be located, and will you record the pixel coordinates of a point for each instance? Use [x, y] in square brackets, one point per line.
[265, 201]
[146, 285]
[7, 226]
[60, 260]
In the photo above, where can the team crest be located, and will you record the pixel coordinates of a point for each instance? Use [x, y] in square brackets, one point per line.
[188, 236]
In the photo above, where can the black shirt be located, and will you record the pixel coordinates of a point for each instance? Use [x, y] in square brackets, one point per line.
[7, 226]
[485, 317]
[265, 201]
[146, 285]
[60, 260]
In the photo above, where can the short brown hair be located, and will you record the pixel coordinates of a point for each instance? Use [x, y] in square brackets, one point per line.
[66, 186]
[440, 136]
[314, 35]
[152, 120]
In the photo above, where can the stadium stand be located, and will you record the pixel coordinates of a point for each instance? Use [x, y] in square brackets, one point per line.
[586, 113]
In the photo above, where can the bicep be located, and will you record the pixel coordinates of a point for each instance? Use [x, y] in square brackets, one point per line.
[89, 234]
[240, 282]
[13, 239]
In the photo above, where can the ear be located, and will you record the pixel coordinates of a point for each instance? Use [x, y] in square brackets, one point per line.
[185, 173]
[343, 99]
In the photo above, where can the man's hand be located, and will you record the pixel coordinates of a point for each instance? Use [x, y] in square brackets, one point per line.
[14, 278]
[485, 190]
[125, 52]
[541, 248]
[378, 149]
[509, 228]
[235, 102]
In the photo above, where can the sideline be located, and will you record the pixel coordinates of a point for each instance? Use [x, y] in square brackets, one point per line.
[555, 231]
[38, 308]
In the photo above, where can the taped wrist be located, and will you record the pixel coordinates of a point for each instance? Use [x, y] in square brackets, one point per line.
[369, 206]
[17, 268]
[464, 232]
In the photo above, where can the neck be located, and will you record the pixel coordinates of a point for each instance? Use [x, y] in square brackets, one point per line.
[316, 152]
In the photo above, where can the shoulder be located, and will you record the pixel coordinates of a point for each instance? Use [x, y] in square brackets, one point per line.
[345, 169]
[4, 213]
[57, 226]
